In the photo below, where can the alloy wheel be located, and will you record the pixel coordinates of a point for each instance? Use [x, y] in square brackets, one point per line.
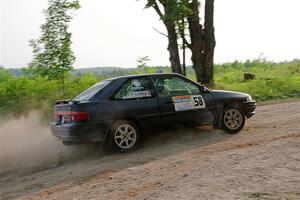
[125, 136]
[233, 119]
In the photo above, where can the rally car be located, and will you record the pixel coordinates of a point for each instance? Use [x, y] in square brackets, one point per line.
[120, 110]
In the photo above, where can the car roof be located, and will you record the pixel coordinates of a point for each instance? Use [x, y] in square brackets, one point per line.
[145, 75]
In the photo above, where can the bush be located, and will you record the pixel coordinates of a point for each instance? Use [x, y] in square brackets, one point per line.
[20, 95]
[273, 80]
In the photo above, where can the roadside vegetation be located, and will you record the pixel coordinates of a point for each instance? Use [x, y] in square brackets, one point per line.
[50, 75]
[20, 95]
[272, 80]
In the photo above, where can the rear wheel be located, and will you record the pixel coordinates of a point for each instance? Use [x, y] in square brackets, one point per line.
[124, 136]
[233, 119]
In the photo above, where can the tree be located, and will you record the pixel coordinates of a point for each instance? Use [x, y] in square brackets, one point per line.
[210, 42]
[182, 26]
[183, 46]
[169, 18]
[202, 38]
[143, 63]
[197, 40]
[52, 54]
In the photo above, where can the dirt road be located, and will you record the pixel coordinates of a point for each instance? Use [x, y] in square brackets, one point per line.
[261, 162]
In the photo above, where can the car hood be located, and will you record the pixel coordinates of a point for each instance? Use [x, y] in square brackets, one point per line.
[228, 94]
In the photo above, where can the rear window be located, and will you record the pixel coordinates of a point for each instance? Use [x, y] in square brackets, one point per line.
[90, 92]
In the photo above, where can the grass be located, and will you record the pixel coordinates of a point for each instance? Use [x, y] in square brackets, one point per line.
[20, 95]
[273, 80]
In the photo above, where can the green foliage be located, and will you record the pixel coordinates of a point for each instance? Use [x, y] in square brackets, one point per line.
[76, 85]
[143, 66]
[53, 56]
[143, 62]
[174, 10]
[4, 75]
[273, 80]
[20, 95]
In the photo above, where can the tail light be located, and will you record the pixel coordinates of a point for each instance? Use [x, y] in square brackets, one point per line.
[68, 117]
[79, 116]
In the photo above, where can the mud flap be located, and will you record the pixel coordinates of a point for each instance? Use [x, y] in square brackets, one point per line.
[218, 119]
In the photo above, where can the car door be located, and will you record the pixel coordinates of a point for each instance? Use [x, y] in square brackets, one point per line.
[136, 99]
[182, 101]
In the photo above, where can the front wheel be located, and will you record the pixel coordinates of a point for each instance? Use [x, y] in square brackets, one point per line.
[233, 119]
[124, 136]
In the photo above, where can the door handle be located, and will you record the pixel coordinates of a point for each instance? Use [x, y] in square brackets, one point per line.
[169, 102]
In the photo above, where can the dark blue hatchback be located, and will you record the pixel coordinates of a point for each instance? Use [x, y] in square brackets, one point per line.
[119, 110]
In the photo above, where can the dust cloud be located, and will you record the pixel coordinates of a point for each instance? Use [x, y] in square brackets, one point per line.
[25, 145]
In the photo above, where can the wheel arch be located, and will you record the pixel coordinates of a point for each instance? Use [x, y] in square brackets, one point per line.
[133, 120]
[110, 142]
[233, 105]
[234, 102]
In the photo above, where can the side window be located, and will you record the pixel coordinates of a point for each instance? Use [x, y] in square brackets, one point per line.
[175, 86]
[136, 88]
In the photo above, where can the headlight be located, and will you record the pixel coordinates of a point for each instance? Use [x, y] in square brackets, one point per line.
[249, 98]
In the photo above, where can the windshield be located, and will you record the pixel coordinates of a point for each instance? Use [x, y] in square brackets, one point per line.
[90, 92]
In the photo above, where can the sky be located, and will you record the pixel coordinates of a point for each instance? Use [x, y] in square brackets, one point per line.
[117, 32]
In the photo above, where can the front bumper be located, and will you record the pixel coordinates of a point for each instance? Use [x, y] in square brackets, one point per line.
[79, 132]
[250, 107]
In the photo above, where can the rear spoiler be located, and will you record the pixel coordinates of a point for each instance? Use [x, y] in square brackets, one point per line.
[68, 101]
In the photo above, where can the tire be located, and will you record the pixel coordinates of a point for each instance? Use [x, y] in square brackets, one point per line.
[233, 119]
[124, 136]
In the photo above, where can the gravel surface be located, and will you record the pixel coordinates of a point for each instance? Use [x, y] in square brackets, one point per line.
[261, 162]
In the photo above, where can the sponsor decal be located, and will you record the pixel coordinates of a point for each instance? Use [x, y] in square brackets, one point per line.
[139, 94]
[136, 84]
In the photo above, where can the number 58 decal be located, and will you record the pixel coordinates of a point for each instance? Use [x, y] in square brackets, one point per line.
[198, 101]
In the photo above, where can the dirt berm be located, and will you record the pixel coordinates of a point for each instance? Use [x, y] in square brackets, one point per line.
[261, 162]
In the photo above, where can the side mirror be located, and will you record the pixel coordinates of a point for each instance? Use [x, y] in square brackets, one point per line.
[203, 89]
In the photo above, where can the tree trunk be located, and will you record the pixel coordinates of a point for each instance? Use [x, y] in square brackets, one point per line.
[197, 42]
[172, 34]
[62, 82]
[173, 47]
[210, 42]
[182, 33]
